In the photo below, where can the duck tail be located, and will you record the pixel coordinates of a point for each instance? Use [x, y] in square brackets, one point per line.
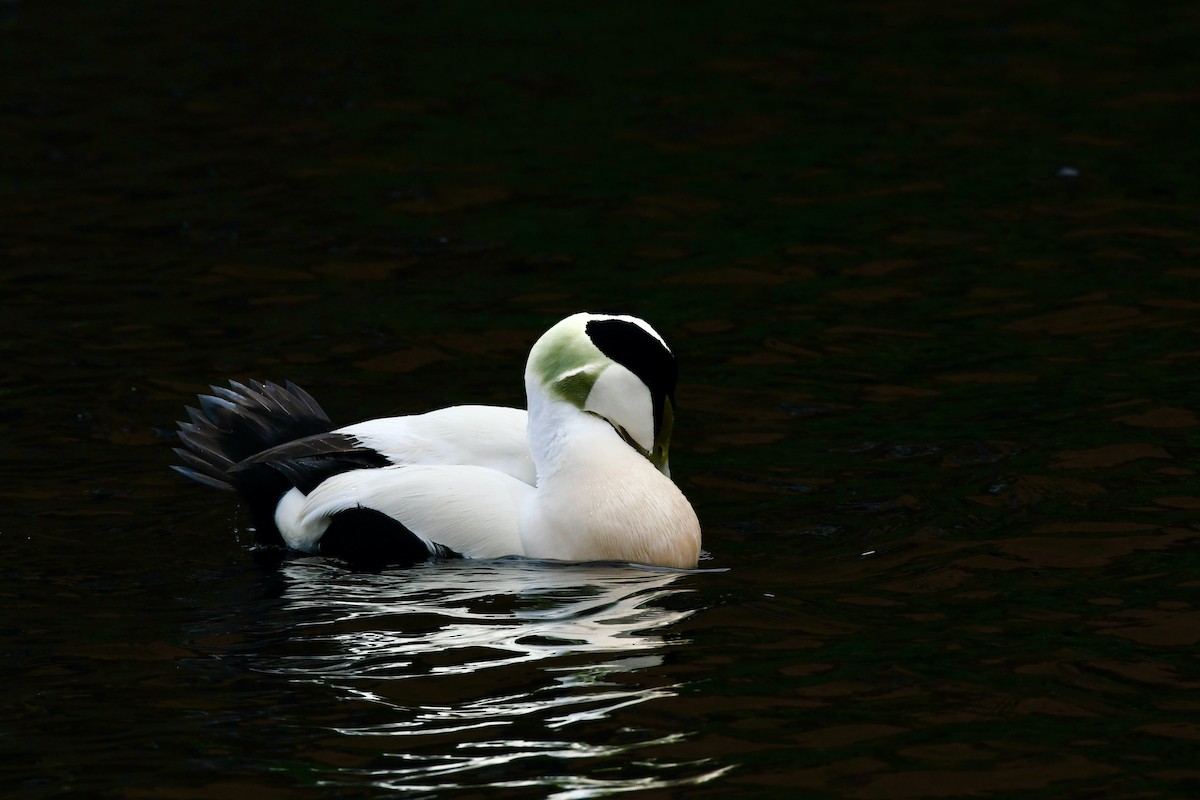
[234, 424]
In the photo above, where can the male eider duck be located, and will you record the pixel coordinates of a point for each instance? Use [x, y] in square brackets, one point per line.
[582, 476]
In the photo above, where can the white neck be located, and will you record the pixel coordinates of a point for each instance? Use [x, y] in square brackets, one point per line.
[597, 498]
[560, 433]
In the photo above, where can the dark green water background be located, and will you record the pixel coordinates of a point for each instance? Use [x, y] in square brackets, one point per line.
[933, 274]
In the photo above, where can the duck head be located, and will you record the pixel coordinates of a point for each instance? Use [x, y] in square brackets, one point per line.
[615, 367]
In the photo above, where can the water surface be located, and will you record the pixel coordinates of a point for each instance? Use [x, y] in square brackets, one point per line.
[932, 277]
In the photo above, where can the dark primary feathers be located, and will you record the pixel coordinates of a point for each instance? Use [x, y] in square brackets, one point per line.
[309, 461]
[233, 425]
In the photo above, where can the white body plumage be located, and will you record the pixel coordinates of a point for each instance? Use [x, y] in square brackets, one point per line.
[582, 476]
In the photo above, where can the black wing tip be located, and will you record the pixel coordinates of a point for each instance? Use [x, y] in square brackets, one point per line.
[201, 477]
[229, 425]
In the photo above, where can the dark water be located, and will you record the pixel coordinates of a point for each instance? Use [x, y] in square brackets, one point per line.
[933, 273]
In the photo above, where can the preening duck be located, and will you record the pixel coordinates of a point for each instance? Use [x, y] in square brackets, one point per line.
[583, 475]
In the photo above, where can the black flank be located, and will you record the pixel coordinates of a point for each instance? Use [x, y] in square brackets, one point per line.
[368, 538]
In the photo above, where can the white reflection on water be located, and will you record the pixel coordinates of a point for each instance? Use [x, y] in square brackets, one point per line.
[478, 667]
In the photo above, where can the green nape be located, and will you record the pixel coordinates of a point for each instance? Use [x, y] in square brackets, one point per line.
[576, 386]
[567, 364]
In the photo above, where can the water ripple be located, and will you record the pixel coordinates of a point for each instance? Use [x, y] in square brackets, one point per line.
[471, 673]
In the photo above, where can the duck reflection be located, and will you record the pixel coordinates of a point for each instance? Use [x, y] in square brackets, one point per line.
[490, 614]
[480, 664]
